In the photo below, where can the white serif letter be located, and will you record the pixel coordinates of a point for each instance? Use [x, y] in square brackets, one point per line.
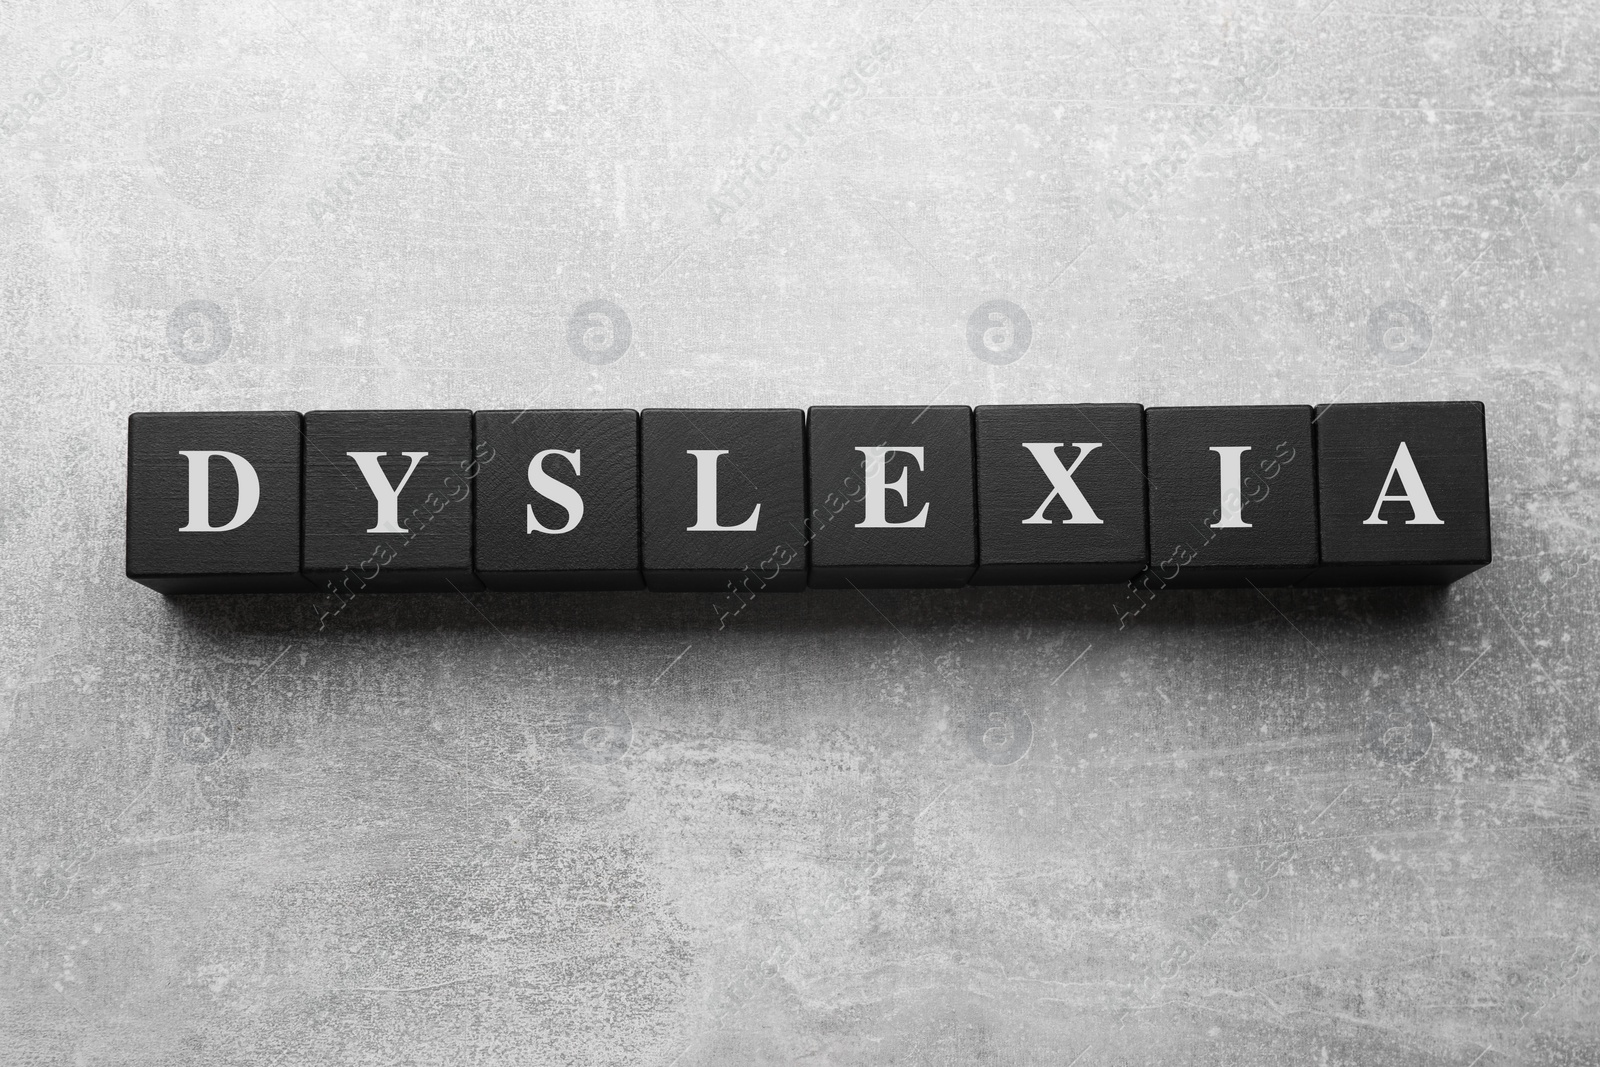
[705, 518]
[388, 496]
[554, 491]
[877, 489]
[200, 492]
[1232, 502]
[1422, 513]
[1062, 486]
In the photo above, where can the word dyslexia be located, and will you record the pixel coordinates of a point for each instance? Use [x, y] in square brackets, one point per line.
[737, 501]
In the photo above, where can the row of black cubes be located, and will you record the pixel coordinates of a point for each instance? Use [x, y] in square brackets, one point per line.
[470, 515]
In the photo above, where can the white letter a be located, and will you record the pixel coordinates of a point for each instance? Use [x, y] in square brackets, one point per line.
[1422, 513]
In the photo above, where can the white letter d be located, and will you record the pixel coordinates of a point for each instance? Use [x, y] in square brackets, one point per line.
[200, 492]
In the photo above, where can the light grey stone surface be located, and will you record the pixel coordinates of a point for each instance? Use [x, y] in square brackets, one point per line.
[960, 827]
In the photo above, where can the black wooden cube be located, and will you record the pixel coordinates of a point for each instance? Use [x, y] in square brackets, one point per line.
[891, 496]
[1060, 493]
[1232, 494]
[214, 501]
[1403, 493]
[557, 500]
[388, 501]
[722, 499]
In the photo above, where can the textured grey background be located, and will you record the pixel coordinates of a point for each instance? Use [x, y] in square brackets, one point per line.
[962, 827]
